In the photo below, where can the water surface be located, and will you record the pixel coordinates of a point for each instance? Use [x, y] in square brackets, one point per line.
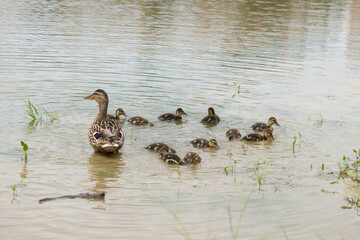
[295, 60]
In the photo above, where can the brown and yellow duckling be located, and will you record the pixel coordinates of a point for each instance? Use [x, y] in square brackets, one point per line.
[211, 118]
[255, 137]
[203, 143]
[160, 147]
[105, 133]
[137, 120]
[263, 126]
[118, 113]
[171, 158]
[172, 117]
[189, 159]
[192, 158]
[233, 134]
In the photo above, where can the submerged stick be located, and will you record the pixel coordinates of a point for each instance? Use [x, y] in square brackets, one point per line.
[81, 195]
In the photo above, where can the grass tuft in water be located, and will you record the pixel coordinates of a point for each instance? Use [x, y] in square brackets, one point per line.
[34, 115]
[25, 148]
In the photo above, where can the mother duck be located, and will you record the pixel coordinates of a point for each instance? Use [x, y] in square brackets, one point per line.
[105, 133]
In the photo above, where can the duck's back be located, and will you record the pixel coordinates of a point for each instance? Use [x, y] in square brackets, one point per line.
[168, 116]
[106, 135]
[253, 137]
[213, 119]
[260, 126]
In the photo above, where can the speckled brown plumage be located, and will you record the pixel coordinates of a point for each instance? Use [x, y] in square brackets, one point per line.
[263, 126]
[192, 158]
[255, 137]
[160, 147]
[211, 118]
[171, 158]
[203, 143]
[233, 134]
[105, 134]
[137, 120]
[172, 117]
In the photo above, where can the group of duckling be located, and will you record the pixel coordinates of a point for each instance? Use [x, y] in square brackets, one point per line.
[105, 134]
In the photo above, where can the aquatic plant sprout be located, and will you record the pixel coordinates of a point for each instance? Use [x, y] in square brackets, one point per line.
[25, 148]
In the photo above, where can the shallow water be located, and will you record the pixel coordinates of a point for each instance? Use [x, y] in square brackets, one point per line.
[295, 60]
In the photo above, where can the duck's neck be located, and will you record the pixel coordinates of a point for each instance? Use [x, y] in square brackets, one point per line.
[102, 115]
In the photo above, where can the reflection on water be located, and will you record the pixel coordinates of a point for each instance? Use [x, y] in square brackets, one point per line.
[105, 169]
[295, 60]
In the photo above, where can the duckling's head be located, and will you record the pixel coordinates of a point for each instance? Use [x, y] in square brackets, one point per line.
[273, 121]
[100, 96]
[211, 111]
[161, 155]
[119, 112]
[268, 134]
[213, 143]
[180, 112]
[192, 158]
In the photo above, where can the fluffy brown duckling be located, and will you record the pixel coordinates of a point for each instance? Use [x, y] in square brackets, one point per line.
[137, 120]
[118, 113]
[160, 147]
[203, 143]
[173, 117]
[171, 158]
[263, 126]
[211, 118]
[192, 158]
[255, 137]
[105, 133]
[233, 134]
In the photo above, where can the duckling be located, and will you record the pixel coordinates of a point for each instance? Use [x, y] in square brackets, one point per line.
[171, 158]
[105, 133]
[118, 112]
[233, 134]
[211, 118]
[263, 126]
[137, 120]
[170, 116]
[203, 143]
[160, 147]
[254, 137]
[192, 158]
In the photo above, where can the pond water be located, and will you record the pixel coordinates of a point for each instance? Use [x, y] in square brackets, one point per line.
[295, 60]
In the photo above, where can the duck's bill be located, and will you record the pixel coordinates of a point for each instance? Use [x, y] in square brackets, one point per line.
[272, 137]
[277, 124]
[90, 97]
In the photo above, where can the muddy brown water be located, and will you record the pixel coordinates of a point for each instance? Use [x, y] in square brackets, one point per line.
[295, 60]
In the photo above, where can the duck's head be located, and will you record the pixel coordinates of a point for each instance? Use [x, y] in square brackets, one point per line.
[119, 112]
[268, 134]
[180, 112]
[213, 143]
[100, 96]
[161, 155]
[211, 111]
[194, 158]
[273, 121]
